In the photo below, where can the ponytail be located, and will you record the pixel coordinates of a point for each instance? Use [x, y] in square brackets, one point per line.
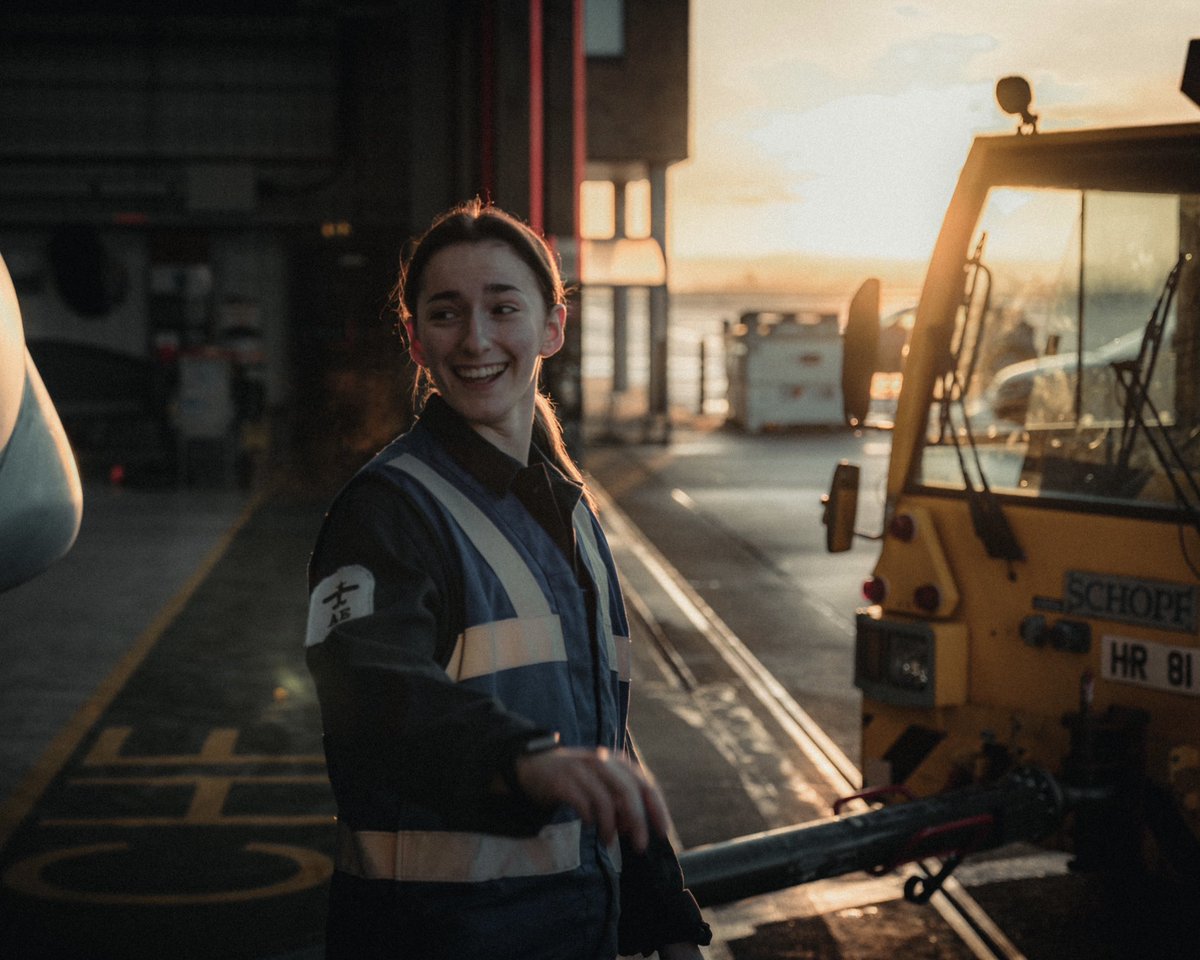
[548, 430]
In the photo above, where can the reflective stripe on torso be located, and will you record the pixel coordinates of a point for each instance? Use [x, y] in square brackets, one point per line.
[620, 653]
[534, 636]
[442, 856]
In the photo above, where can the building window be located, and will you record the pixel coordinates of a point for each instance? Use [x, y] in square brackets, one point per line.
[597, 201]
[604, 28]
[637, 209]
[598, 209]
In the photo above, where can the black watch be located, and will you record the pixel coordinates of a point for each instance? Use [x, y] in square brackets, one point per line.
[539, 744]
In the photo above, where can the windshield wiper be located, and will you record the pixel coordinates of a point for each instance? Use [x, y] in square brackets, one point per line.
[987, 516]
[1135, 377]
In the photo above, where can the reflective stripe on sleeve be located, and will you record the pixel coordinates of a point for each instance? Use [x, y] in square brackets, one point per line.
[436, 856]
[491, 647]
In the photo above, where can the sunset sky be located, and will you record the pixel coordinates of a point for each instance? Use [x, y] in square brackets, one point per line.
[837, 130]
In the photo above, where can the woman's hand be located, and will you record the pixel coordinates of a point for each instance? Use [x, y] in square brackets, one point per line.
[604, 788]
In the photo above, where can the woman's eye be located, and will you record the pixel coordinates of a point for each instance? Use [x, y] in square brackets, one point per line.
[441, 316]
[503, 309]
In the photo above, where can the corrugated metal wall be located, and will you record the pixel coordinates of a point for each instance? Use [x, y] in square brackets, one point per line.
[109, 87]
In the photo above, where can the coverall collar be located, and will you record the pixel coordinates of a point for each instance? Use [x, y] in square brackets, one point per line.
[488, 464]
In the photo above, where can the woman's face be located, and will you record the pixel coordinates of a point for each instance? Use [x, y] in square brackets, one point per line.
[481, 330]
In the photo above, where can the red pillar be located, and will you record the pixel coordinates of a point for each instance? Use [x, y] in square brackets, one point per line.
[537, 130]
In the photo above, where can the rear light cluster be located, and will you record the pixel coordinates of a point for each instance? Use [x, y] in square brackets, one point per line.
[874, 589]
[911, 662]
[926, 597]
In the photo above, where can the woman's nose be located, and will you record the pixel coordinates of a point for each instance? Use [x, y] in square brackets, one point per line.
[476, 337]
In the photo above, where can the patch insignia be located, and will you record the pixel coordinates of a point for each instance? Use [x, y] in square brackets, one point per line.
[346, 594]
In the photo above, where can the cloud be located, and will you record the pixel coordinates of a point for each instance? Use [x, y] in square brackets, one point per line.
[842, 127]
[933, 59]
[866, 174]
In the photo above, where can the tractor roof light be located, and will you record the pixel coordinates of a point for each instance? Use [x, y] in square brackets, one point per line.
[1014, 96]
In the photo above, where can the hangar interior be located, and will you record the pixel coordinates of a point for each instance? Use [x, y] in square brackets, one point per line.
[203, 206]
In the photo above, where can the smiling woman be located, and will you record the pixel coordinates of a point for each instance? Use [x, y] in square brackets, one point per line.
[469, 644]
[522, 267]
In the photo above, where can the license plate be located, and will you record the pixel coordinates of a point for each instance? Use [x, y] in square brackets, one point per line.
[1155, 665]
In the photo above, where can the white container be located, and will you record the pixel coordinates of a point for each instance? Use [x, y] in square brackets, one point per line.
[784, 370]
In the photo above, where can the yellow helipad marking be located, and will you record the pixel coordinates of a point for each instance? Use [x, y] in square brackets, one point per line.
[218, 748]
[23, 799]
[207, 805]
[28, 877]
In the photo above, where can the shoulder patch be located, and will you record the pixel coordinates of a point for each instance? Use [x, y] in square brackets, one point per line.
[346, 594]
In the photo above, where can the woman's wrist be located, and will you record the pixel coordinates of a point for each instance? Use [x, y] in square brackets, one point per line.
[530, 746]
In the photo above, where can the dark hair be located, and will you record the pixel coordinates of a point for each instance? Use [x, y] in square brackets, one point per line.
[477, 222]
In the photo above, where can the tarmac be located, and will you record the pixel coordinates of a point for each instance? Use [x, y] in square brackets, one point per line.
[162, 785]
[162, 788]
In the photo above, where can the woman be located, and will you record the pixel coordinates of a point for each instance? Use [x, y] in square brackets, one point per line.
[467, 637]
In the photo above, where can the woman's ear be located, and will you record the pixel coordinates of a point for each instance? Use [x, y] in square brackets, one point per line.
[555, 334]
[414, 347]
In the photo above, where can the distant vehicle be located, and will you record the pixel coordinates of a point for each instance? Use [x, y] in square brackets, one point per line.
[784, 369]
[1048, 383]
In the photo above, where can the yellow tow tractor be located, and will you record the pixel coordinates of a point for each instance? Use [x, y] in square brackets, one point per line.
[1030, 658]
[1036, 600]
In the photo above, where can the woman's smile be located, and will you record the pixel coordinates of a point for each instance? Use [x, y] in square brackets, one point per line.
[480, 374]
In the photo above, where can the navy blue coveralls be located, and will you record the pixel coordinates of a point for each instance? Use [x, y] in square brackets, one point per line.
[463, 604]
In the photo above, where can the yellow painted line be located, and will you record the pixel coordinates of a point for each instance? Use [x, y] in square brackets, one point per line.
[217, 750]
[34, 784]
[224, 820]
[183, 779]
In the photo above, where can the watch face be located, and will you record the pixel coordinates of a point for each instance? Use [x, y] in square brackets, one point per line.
[540, 744]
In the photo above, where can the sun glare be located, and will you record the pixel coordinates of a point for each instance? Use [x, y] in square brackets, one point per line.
[846, 141]
[872, 173]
